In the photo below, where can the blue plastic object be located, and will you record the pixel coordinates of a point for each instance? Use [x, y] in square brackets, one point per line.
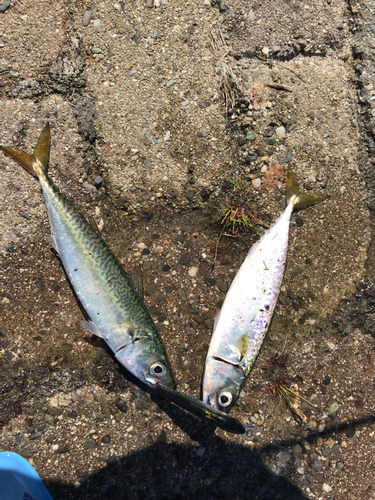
[19, 480]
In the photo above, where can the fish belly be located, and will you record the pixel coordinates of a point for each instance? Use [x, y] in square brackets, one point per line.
[250, 302]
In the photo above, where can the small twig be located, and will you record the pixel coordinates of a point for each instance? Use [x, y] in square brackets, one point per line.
[294, 73]
[279, 86]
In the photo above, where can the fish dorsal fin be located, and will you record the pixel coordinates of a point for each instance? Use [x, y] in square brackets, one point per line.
[216, 320]
[300, 200]
[41, 151]
[136, 276]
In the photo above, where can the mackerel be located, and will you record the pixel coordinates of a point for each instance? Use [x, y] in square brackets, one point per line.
[241, 325]
[108, 294]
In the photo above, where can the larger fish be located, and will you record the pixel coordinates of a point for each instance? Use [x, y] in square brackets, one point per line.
[108, 294]
[242, 323]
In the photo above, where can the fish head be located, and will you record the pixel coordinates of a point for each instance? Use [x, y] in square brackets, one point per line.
[222, 383]
[146, 361]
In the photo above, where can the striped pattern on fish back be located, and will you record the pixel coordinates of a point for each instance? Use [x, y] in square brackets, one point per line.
[111, 275]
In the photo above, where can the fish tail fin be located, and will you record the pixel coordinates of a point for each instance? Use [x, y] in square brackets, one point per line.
[37, 163]
[294, 195]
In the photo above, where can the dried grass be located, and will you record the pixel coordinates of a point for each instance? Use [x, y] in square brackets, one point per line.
[229, 82]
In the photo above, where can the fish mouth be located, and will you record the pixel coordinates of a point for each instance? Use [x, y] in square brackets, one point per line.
[200, 409]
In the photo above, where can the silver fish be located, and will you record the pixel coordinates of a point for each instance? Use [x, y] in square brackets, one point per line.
[108, 294]
[241, 325]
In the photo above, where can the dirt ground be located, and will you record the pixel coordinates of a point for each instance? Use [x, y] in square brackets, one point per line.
[154, 106]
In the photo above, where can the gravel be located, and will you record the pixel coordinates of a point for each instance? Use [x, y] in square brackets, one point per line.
[86, 18]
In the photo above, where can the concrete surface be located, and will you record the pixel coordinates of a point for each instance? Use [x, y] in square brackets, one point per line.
[136, 96]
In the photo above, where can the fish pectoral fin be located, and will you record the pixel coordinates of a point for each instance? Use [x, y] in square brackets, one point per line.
[52, 241]
[91, 327]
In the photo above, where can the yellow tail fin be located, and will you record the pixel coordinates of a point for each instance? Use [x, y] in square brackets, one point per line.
[37, 163]
[293, 194]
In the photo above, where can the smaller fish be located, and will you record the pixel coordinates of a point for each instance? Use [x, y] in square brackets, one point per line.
[201, 410]
[242, 323]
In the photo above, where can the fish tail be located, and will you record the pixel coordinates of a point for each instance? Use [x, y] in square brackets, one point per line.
[37, 163]
[294, 195]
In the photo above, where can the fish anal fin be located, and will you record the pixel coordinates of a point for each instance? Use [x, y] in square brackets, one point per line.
[90, 326]
[293, 194]
[136, 276]
[52, 241]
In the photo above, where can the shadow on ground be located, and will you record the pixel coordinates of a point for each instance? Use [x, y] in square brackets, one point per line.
[226, 471]
[170, 471]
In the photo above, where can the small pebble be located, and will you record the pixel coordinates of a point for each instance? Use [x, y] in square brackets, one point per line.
[250, 136]
[146, 251]
[35, 435]
[339, 465]
[271, 141]
[327, 380]
[222, 7]
[299, 222]
[50, 419]
[86, 18]
[170, 84]
[166, 268]
[223, 287]
[180, 237]
[96, 23]
[201, 451]
[121, 405]
[98, 181]
[280, 132]
[210, 281]
[193, 271]
[256, 183]
[24, 215]
[351, 432]
[185, 103]
[106, 438]
[90, 444]
[184, 260]
[147, 165]
[4, 6]
[151, 289]
[326, 487]
[89, 398]
[287, 159]
[9, 248]
[333, 408]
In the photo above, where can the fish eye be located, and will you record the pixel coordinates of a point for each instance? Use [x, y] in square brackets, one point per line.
[225, 398]
[158, 369]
